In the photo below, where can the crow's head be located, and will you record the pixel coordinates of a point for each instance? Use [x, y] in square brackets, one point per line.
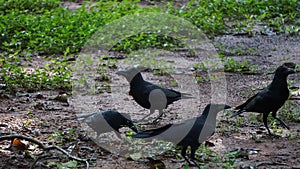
[118, 120]
[129, 74]
[127, 122]
[283, 70]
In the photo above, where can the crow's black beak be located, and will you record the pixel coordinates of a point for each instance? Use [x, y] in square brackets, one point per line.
[291, 71]
[134, 128]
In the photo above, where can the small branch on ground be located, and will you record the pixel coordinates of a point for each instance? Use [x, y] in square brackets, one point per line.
[44, 147]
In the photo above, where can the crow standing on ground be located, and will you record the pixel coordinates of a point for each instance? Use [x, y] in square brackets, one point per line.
[148, 95]
[191, 132]
[107, 121]
[269, 99]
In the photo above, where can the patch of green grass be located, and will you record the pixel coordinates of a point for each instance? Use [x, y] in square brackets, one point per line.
[49, 33]
[275, 127]
[61, 136]
[30, 28]
[290, 111]
[221, 16]
[61, 165]
[46, 28]
[148, 59]
[238, 51]
[231, 65]
[201, 79]
[208, 70]
[55, 29]
[252, 118]
[27, 6]
[238, 121]
[229, 163]
[147, 40]
[204, 154]
[16, 76]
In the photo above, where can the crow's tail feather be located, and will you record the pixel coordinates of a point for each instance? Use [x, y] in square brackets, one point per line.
[237, 113]
[152, 132]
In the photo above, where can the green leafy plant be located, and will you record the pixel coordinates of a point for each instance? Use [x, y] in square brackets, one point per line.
[290, 112]
[229, 161]
[46, 28]
[50, 76]
[213, 16]
[231, 65]
[30, 28]
[56, 29]
[28, 6]
[147, 40]
[148, 59]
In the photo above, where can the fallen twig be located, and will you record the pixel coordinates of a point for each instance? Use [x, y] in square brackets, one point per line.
[44, 147]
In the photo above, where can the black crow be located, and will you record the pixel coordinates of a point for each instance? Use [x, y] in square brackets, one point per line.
[107, 121]
[148, 95]
[191, 132]
[270, 99]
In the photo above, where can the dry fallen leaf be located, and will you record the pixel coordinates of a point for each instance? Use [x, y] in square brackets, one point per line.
[18, 145]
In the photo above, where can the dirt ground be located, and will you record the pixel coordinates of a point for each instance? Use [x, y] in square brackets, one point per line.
[43, 113]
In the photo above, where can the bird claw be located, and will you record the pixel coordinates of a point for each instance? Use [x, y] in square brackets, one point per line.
[192, 162]
[195, 164]
[154, 122]
[283, 125]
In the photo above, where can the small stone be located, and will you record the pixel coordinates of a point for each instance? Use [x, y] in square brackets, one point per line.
[252, 152]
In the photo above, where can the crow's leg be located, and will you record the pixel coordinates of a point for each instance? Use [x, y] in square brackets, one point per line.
[195, 163]
[183, 154]
[161, 112]
[265, 120]
[282, 123]
[193, 159]
[151, 112]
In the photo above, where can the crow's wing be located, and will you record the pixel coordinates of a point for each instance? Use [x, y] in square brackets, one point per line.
[247, 102]
[261, 102]
[152, 132]
[141, 93]
[96, 121]
[170, 93]
[172, 133]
